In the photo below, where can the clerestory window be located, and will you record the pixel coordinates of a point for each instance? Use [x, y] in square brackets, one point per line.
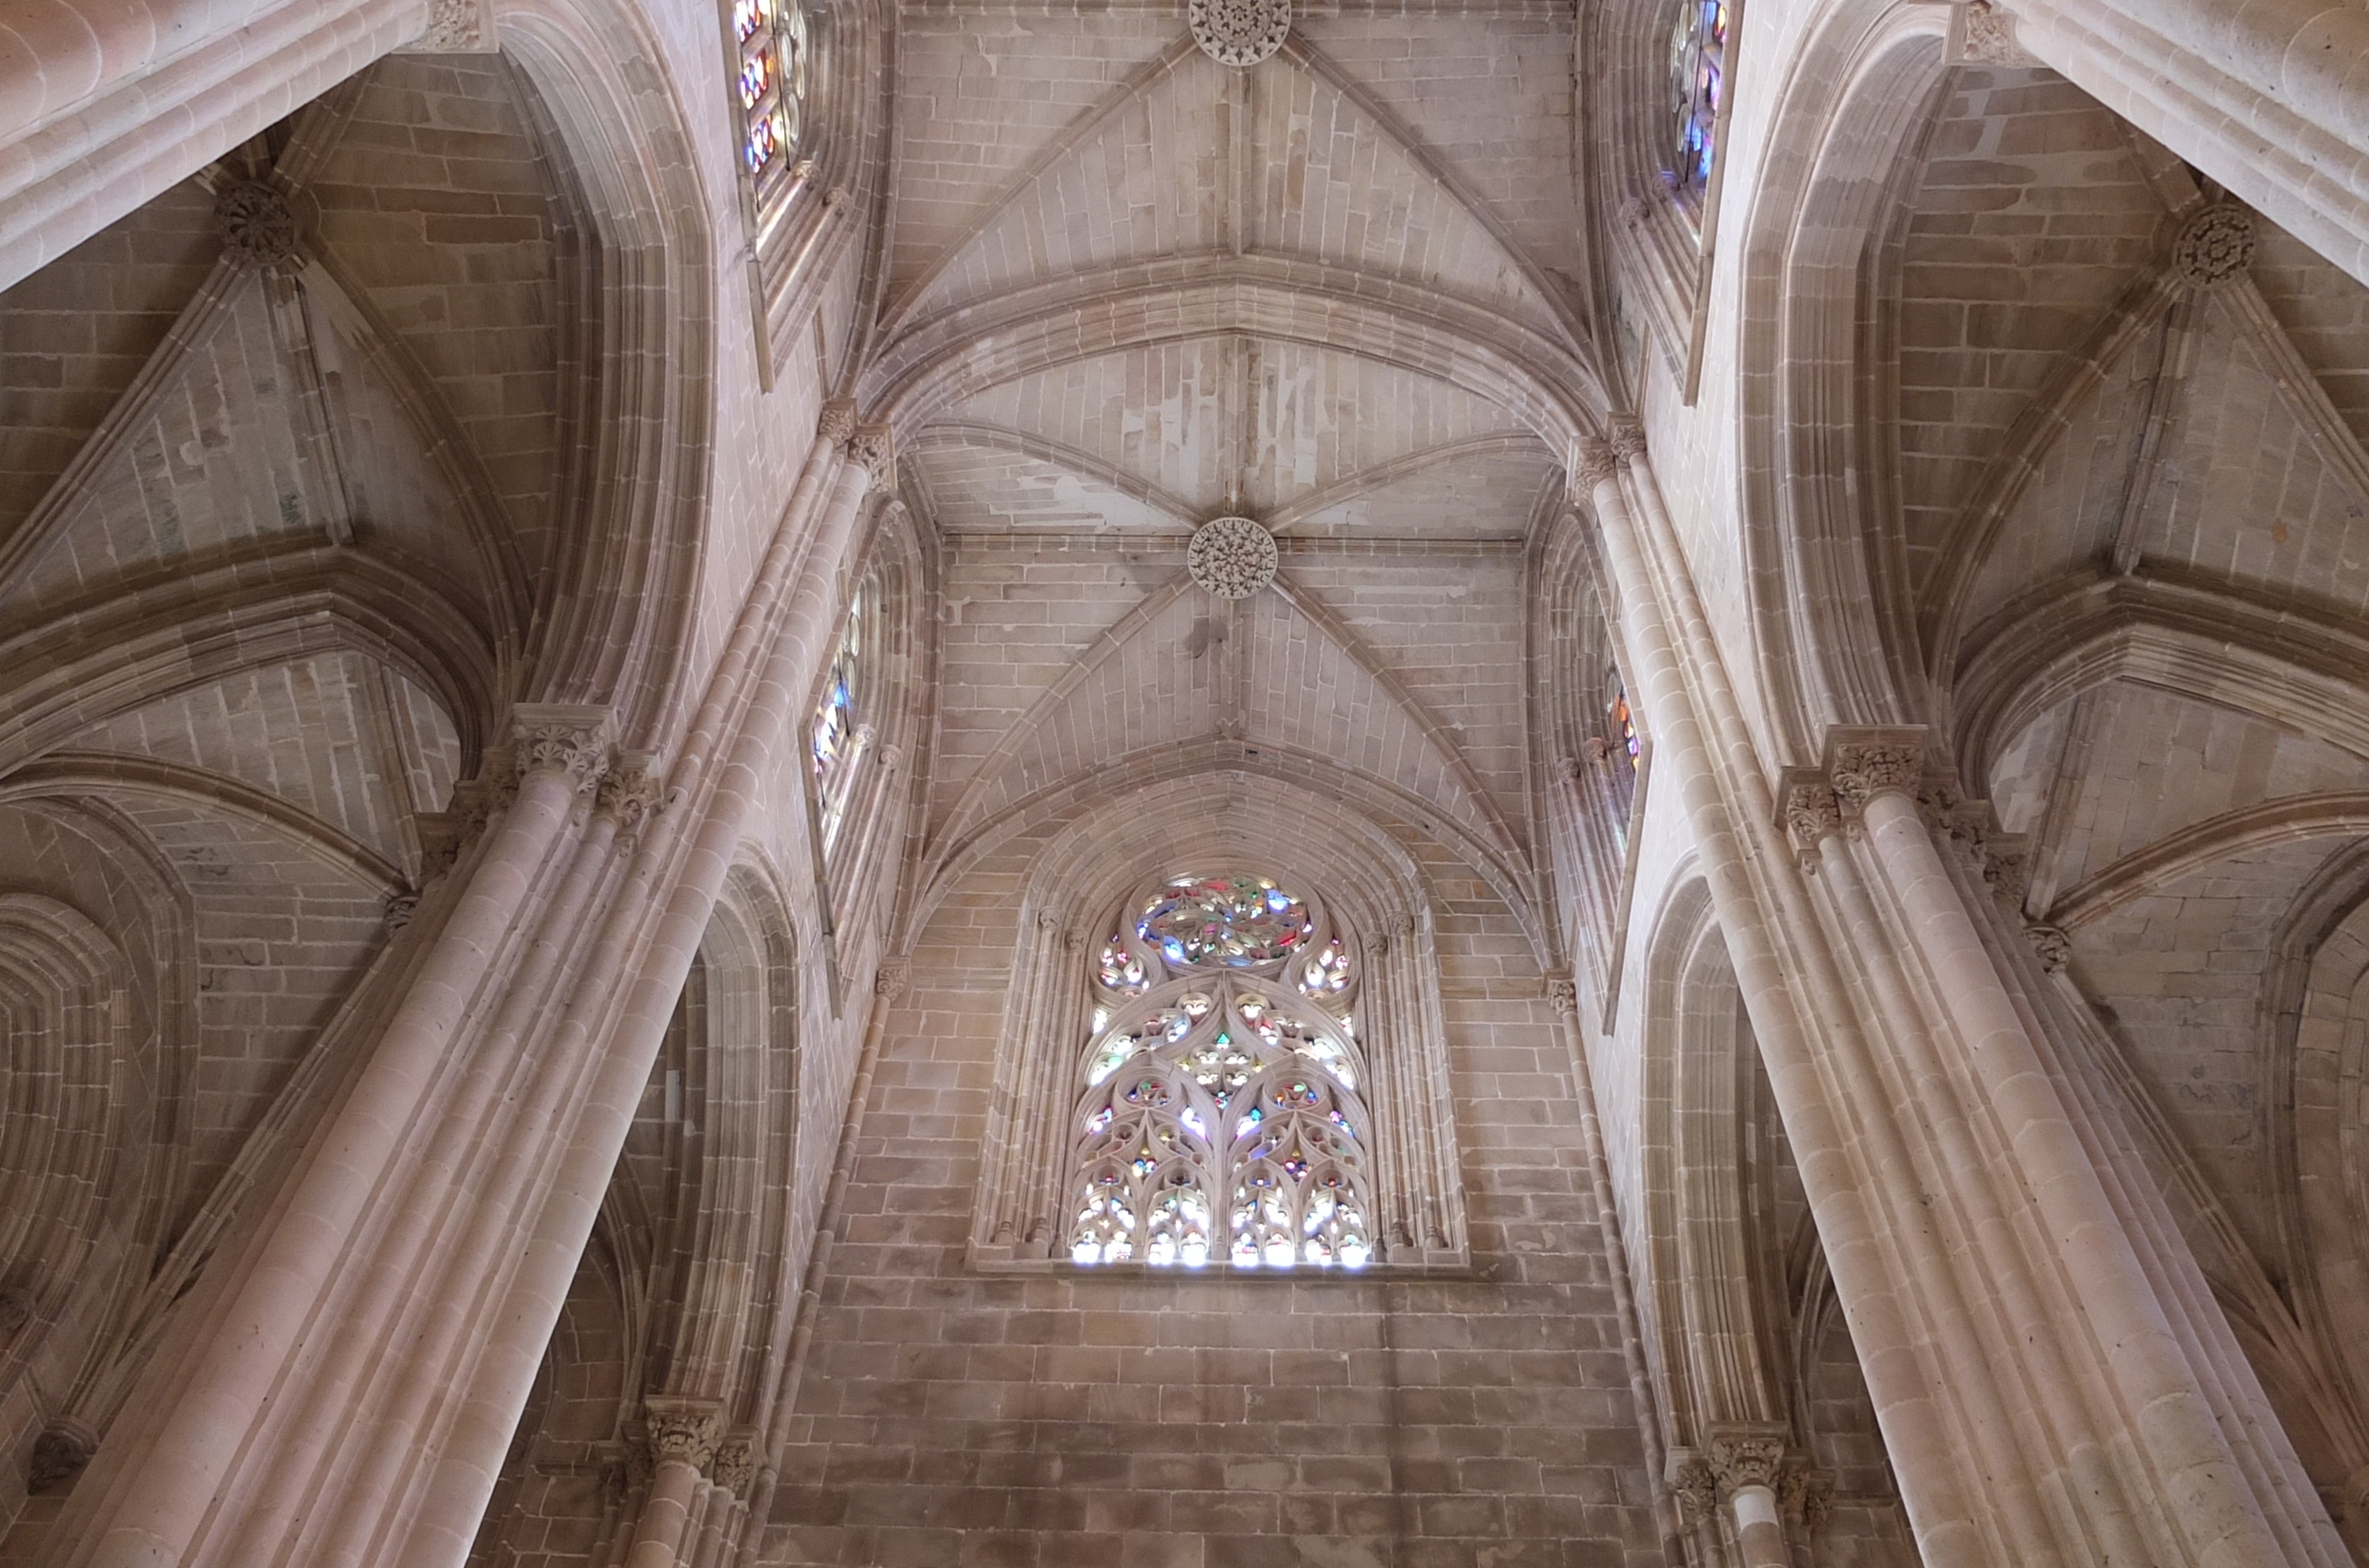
[1219, 1108]
[773, 89]
[1699, 62]
[839, 736]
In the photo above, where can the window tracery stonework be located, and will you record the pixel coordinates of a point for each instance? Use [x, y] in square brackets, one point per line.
[1220, 1073]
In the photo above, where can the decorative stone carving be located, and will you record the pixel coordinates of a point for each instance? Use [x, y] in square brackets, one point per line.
[2007, 866]
[400, 908]
[258, 225]
[1562, 993]
[2214, 247]
[888, 980]
[1861, 772]
[2052, 944]
[1982, 34]
[59, 1454]
[837, 422]
[875, 448]
[1691, 1482]
[566, 739]
[1239, 32]
[686, 1430]
[735, 1463]
[1812, 812]
[1737, 1462]
[1597, 464]
[1627, 439]
[456, 27]
[1233, 557]
[632, 791]
[1804, 1495]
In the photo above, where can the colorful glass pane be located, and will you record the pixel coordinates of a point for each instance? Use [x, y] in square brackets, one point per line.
[1235, 921]
[772, 85]
[1698, 87]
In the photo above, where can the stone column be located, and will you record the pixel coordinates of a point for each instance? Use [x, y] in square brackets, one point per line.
[236, 1361]
[103, 104]
[653, 938]
[683, 1436]
[1745, 1469]
[2265, 97]
[1911, 1395]
[2119, 1323]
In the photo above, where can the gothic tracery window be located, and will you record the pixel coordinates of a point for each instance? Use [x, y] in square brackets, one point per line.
[1218, 1113]
[775, 67]
[1698, 58]
[1621, 746]
[836, 739]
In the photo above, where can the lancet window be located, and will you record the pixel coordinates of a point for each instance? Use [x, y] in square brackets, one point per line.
[1620, 746]
[839, 735]
[1219, 1102]
[1699, 61]
[775, 67]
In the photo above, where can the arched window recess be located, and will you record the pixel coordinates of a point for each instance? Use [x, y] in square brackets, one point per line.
[858, 737]
[1222, 1068]
[792, 69]
[1676, 61]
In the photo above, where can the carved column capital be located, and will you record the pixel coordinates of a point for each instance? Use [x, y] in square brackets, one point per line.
[875, 448]
[888, 981]
[1627, 438]
[837, 422]
[570, 739]
[2051, 943]
[1691, 1482]
[1812, 812]
[733, 1462]
[1740, 1459]
[1562, 993]
[1597, 463]
[1804, 1495]
[2007, 866]
[1861, 770]
[684, 1429]
[631, 793]
[398, 910]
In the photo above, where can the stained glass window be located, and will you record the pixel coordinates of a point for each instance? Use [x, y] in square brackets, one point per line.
[1219, 1117]
[835, 739]
[1621, 746]
[1699, 56]
[775, 66]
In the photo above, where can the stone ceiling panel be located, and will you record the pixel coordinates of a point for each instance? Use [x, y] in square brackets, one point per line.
[979, 484]
[984, 92]
[439, 203]
[1242, 424]
[79, 330]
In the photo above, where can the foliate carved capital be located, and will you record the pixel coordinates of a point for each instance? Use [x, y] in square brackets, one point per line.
[1804, 1495]
[1862, 771]
[888, 981]
[875, 449]
[1691, 1482]
[1562, 994]
[632, 791]
[2051, 944]
[684, 1429]
[1627, 437]
[837, 422]
[570, 739]
[1737, 1462]
[1597, 464]
[1812, 812]
[733, 1463]
[2007, 866]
